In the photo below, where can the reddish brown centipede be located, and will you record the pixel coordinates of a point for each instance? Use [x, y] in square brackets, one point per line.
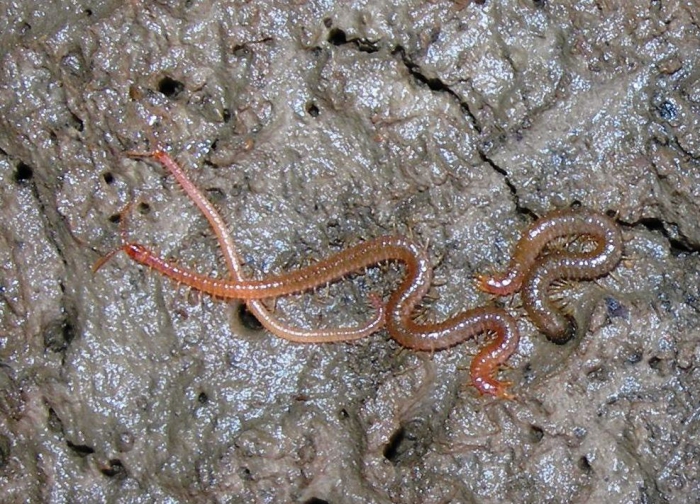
[400, 307]
[538, 273]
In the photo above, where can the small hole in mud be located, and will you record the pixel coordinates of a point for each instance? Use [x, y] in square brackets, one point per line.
[241, 50]
[538, 3]
[315, 500]
[170, 87]
[115, 469]
[536, 433]
[115, 218]
[226, 115]
[312, 109]
[245, 474]
[108, 178]
[585, 465]
[80, 450]
[327, 22]
[77, 122]
[216, 195]
[337, 37]
[655, 363]
[247, 319]
[202, 398]
[5, 448]
[58, 335]
[54, 422]
[143, 208]
[23, 172]
[391, 450]
[88, 12]
[343, 414]
[635, 357]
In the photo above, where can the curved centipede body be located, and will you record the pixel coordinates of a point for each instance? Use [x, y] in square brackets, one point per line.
[568, 222]
[234, 264]
[535, 273]
[399, 309]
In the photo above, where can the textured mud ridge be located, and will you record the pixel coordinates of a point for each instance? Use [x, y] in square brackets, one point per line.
[313, 126]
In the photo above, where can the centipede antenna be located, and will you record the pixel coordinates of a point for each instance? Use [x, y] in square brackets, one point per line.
[104, 259]
[122, 232]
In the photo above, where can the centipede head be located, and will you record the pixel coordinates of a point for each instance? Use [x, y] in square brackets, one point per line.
[498, 284]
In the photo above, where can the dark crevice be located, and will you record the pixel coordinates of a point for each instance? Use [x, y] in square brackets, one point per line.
[678, 246]
[408, 443]
[536, 433]
[438, 85]
[76, 122]
[80, 449]
[23, 172]
[338, 37]
[585, 465]
[247, 319]
[435, 84]
[143, 208]
[312, 109]
[54, 422]
[5, 450]
[391, 450]
[245, 474]
[114, 469]
[655, 363]
[170, 87]
[59, 334]
[511, 187]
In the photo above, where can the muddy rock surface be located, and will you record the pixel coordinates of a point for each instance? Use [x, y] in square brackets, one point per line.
[312, 126]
